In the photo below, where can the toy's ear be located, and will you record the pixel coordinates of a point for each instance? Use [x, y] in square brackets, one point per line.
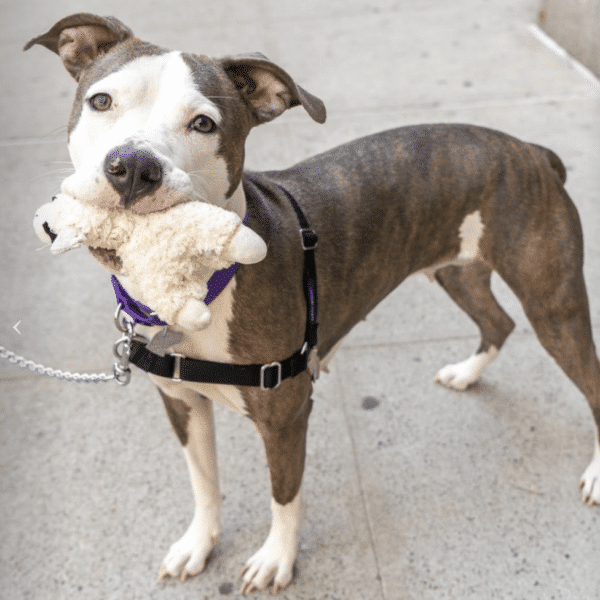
[80, 39]
[51, 228]
[41, 225]
[246, 247]
[268, 89]
[68, 239]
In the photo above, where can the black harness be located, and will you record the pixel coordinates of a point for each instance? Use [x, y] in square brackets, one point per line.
[268, 376]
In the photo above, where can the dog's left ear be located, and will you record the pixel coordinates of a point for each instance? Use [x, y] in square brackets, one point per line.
[80, 39]
[268, 89]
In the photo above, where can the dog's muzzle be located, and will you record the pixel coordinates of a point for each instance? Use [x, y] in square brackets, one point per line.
[132, 172]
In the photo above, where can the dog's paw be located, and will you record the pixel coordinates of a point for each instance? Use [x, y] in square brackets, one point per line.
[187, 557]
[590, 482]
[274, 562]
[461, 375]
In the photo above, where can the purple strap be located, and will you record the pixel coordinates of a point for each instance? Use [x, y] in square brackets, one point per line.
[139, 312]
[216, 284]
[142, 314]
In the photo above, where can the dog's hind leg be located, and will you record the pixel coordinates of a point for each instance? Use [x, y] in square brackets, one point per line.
[561, 321]
[547, 277]
[192, 419]
[469, 287]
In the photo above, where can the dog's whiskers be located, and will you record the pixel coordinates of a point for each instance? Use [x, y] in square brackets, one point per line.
[55, 132]
[203, 172]
[201, 179]
[196, 196]
[54, 173]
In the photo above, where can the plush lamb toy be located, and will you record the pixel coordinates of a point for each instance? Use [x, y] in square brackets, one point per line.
[169, 254]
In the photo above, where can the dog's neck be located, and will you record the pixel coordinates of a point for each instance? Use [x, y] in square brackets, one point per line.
[236, 202]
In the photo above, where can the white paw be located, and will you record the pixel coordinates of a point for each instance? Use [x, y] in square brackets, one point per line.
[274, 562]
[461, 375]
[590, 482]
[187, 557]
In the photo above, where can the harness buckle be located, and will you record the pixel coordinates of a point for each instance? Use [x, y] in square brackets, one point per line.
[269, 379]
[177, 367]
[309, 239]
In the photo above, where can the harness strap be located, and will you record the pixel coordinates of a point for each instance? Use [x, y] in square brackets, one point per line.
[267, 376]
[309, 274]
[179, 368]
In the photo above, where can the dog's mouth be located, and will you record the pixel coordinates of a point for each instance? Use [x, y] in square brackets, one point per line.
[109, 259]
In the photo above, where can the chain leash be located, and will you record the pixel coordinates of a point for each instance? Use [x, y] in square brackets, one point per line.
[121, 350]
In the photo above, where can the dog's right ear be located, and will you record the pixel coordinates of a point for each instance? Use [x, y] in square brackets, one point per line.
[80, 39]
[268, 89]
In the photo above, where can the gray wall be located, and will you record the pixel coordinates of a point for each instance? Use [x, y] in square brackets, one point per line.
[575, 25]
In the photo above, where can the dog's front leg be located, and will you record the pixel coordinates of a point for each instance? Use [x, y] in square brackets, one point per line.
[285, 446]
[192, 418]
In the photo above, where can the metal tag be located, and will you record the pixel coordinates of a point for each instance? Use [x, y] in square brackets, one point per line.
[163, 340]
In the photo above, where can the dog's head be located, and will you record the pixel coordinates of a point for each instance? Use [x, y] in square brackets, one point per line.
[151, 128]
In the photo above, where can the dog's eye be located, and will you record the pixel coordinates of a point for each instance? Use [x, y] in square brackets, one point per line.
[100, 102]
[203, 124]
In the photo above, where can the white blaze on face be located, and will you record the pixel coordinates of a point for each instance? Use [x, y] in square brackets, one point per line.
[154, 101]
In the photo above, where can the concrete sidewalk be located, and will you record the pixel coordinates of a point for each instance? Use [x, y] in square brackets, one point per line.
[429, 495]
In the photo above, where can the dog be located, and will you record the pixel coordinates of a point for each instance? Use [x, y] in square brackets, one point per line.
[150, 128]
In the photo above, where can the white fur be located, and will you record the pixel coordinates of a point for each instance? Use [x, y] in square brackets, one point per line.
[460, 375]
[210, 344]
[590, 480]
[275, 560]
[188, 556]
[154, 101]
[470, 232]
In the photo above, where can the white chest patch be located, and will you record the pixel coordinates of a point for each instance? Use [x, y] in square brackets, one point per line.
[211, 343]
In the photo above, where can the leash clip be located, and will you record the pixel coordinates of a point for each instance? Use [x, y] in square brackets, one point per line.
[122, 347]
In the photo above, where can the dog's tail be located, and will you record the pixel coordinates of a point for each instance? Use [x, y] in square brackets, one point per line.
[555, 162]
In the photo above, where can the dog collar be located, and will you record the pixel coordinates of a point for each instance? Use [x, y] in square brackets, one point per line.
[268, 376]
[144, 315]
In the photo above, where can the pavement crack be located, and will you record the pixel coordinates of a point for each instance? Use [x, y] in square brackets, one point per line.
[369, 522]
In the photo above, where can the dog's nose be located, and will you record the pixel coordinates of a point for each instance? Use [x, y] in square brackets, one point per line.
[133, 173]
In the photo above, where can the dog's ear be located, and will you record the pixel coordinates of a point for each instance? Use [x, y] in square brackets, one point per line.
[268, 89]
[81, 38]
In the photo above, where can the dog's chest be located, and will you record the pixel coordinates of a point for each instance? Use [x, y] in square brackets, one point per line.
[212, 344]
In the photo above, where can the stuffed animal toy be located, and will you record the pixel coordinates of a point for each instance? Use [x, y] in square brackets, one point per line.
[170, 254]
